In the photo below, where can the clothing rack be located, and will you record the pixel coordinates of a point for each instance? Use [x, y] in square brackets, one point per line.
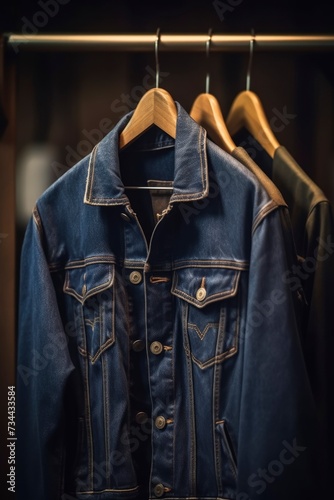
[167, 42]
[12, 44]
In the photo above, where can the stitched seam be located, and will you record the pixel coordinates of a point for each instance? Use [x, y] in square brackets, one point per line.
[88, 419]
[111, 201]
[92, 323]
[211, 298]
[102, 286]
[93, 158]
[149, 374]
[203, 333]
[91, 464]
[198, 194]
[215, 399]
[55, 266]
[106, 418]
[216, 359]
[192, 406]
[322, 202]
[204, 164]
[104, 347]
[222, 264]
[269, 207]
[187, 197]
[82, 299]
[221, 332]
[171, 420]
[110, 490]
[237, 326]
[200, 154]
[88, 190]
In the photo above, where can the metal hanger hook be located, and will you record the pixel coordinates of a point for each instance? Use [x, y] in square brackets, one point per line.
[207, 50]
[251, 51]
[156, 51]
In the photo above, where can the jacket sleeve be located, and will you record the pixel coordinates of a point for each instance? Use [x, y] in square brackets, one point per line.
[43, 369]
[317, 272]
[275, 450]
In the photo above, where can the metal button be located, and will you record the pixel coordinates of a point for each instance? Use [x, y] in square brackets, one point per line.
[160, 422]
[135, 277]
[141, 417]
[138, 345]
[201, 294]
[159, 490]
[156, 348]
[125, 217]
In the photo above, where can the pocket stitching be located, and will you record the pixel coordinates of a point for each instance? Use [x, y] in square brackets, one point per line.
[82, 298]
[202, 333]
[100, 320]
[231, 292]
[219, 358]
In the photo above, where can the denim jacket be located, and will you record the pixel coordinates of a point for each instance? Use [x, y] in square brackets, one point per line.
[158, 350]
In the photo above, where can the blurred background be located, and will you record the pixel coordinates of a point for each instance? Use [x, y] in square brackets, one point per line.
[67, 101]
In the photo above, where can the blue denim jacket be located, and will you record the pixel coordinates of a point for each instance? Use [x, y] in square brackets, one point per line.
[158, 349]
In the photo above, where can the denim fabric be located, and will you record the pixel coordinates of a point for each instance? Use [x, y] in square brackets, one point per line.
[312, 225]
[158, 350]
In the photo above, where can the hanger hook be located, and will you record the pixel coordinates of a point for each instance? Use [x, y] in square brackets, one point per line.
[156, 51]
[251, 51]
[207, 50]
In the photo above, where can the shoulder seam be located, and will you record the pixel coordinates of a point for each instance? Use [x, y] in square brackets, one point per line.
[265, 210]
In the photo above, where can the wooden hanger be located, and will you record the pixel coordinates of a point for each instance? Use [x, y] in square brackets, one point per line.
[207, 113]
[247, 111]
[156, 107]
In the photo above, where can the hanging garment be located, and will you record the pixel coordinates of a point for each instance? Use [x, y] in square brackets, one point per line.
[313, 231]
[243, 157]
[158, 348]
[313, 227]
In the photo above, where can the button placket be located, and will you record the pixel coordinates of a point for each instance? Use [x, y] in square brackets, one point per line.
[156, 348]
[160, 341]
[141, 417]
[135, 277]
[160, 422]
[159, 490]
[138, 345]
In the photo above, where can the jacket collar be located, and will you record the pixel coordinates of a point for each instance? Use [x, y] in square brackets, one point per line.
[104, 184]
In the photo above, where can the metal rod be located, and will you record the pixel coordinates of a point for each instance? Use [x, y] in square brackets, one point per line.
[168, 42]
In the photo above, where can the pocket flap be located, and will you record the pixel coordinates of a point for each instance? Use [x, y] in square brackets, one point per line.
[83, 282]
[201, 286]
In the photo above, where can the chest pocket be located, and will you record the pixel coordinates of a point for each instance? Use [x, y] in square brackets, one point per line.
[210, 313]
[92, 289]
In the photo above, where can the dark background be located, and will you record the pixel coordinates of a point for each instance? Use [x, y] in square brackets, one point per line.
[62, 97]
